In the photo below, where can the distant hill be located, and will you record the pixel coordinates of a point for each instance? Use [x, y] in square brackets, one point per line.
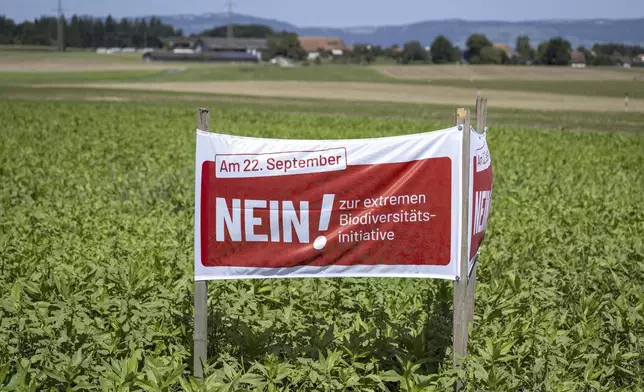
[578, 32]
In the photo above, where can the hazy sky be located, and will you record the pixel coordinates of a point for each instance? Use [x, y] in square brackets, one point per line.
[339, 13]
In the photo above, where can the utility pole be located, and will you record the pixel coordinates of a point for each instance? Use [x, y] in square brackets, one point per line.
[61, 27]
[229, 27]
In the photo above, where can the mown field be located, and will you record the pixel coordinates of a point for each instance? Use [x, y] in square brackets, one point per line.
[22, 67]
[602, 88]
[178, 73]
[96, 232]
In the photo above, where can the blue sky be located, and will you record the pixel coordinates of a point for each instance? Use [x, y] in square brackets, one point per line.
[342, 13]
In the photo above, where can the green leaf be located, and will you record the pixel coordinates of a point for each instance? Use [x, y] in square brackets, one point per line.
[78, 358]
[391, 375]
[56, 375]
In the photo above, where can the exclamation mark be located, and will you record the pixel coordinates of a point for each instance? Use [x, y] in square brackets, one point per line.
[325, 217]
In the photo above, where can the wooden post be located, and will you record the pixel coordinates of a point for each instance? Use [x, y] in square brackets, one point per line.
[460, 285]
[481, 121]
[465, 285]
[626, 102]
[200, 350]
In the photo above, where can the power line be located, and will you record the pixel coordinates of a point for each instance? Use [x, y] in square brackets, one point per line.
[229, 27]
[61, 27]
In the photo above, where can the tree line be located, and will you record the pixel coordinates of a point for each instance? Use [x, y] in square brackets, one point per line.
[87, 32]
[480, 50]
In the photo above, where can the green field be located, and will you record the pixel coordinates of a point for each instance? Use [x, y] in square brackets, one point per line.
[327, 73]
[80, 67]
[29, 78]
[50, 53]
[33, 49]
[430, 115]
[204, 73]
[96, 237]
[604, 88]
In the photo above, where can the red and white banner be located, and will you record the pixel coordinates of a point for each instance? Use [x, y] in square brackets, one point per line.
[387, 207]
[481, 194]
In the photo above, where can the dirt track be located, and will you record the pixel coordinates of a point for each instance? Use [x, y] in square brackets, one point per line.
[382, 92]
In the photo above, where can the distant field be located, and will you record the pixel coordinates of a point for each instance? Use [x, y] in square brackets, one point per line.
[546, 88]
[126, 75]
[331, 73]
[509, 72]
[347, 82]
[20, 67]
[605, 88]
[47, 61]
[177, 72]
[30, 53]
[26, 60]
[434, 114]
[36, 48]
[381, 92]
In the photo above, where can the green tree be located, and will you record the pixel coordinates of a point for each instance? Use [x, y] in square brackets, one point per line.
[8, 30]
[413, 51]
[601, 60]
[555, 52]
[525, 51]
[475, 44]
[588, 55]
[73, 36]
[286, 45]
[110, 31]
[492, 55]
[582, 49]
[362, 54]
[624, 50]
[241, 31]
[458, 53]
[377, 51]
[85, 32]
[393, 52]
[442, 50]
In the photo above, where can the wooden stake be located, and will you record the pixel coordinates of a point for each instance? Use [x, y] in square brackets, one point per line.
[465, 285]
[200, 352]
[481, 114]
[626, 102]
[481, 120]
[460, 285]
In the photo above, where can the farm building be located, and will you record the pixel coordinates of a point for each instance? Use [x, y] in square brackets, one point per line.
[223, 56]
[177, 44]
[250, 45]
[214, 44]
[578, 59]
[314, 46]
[209, 49]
